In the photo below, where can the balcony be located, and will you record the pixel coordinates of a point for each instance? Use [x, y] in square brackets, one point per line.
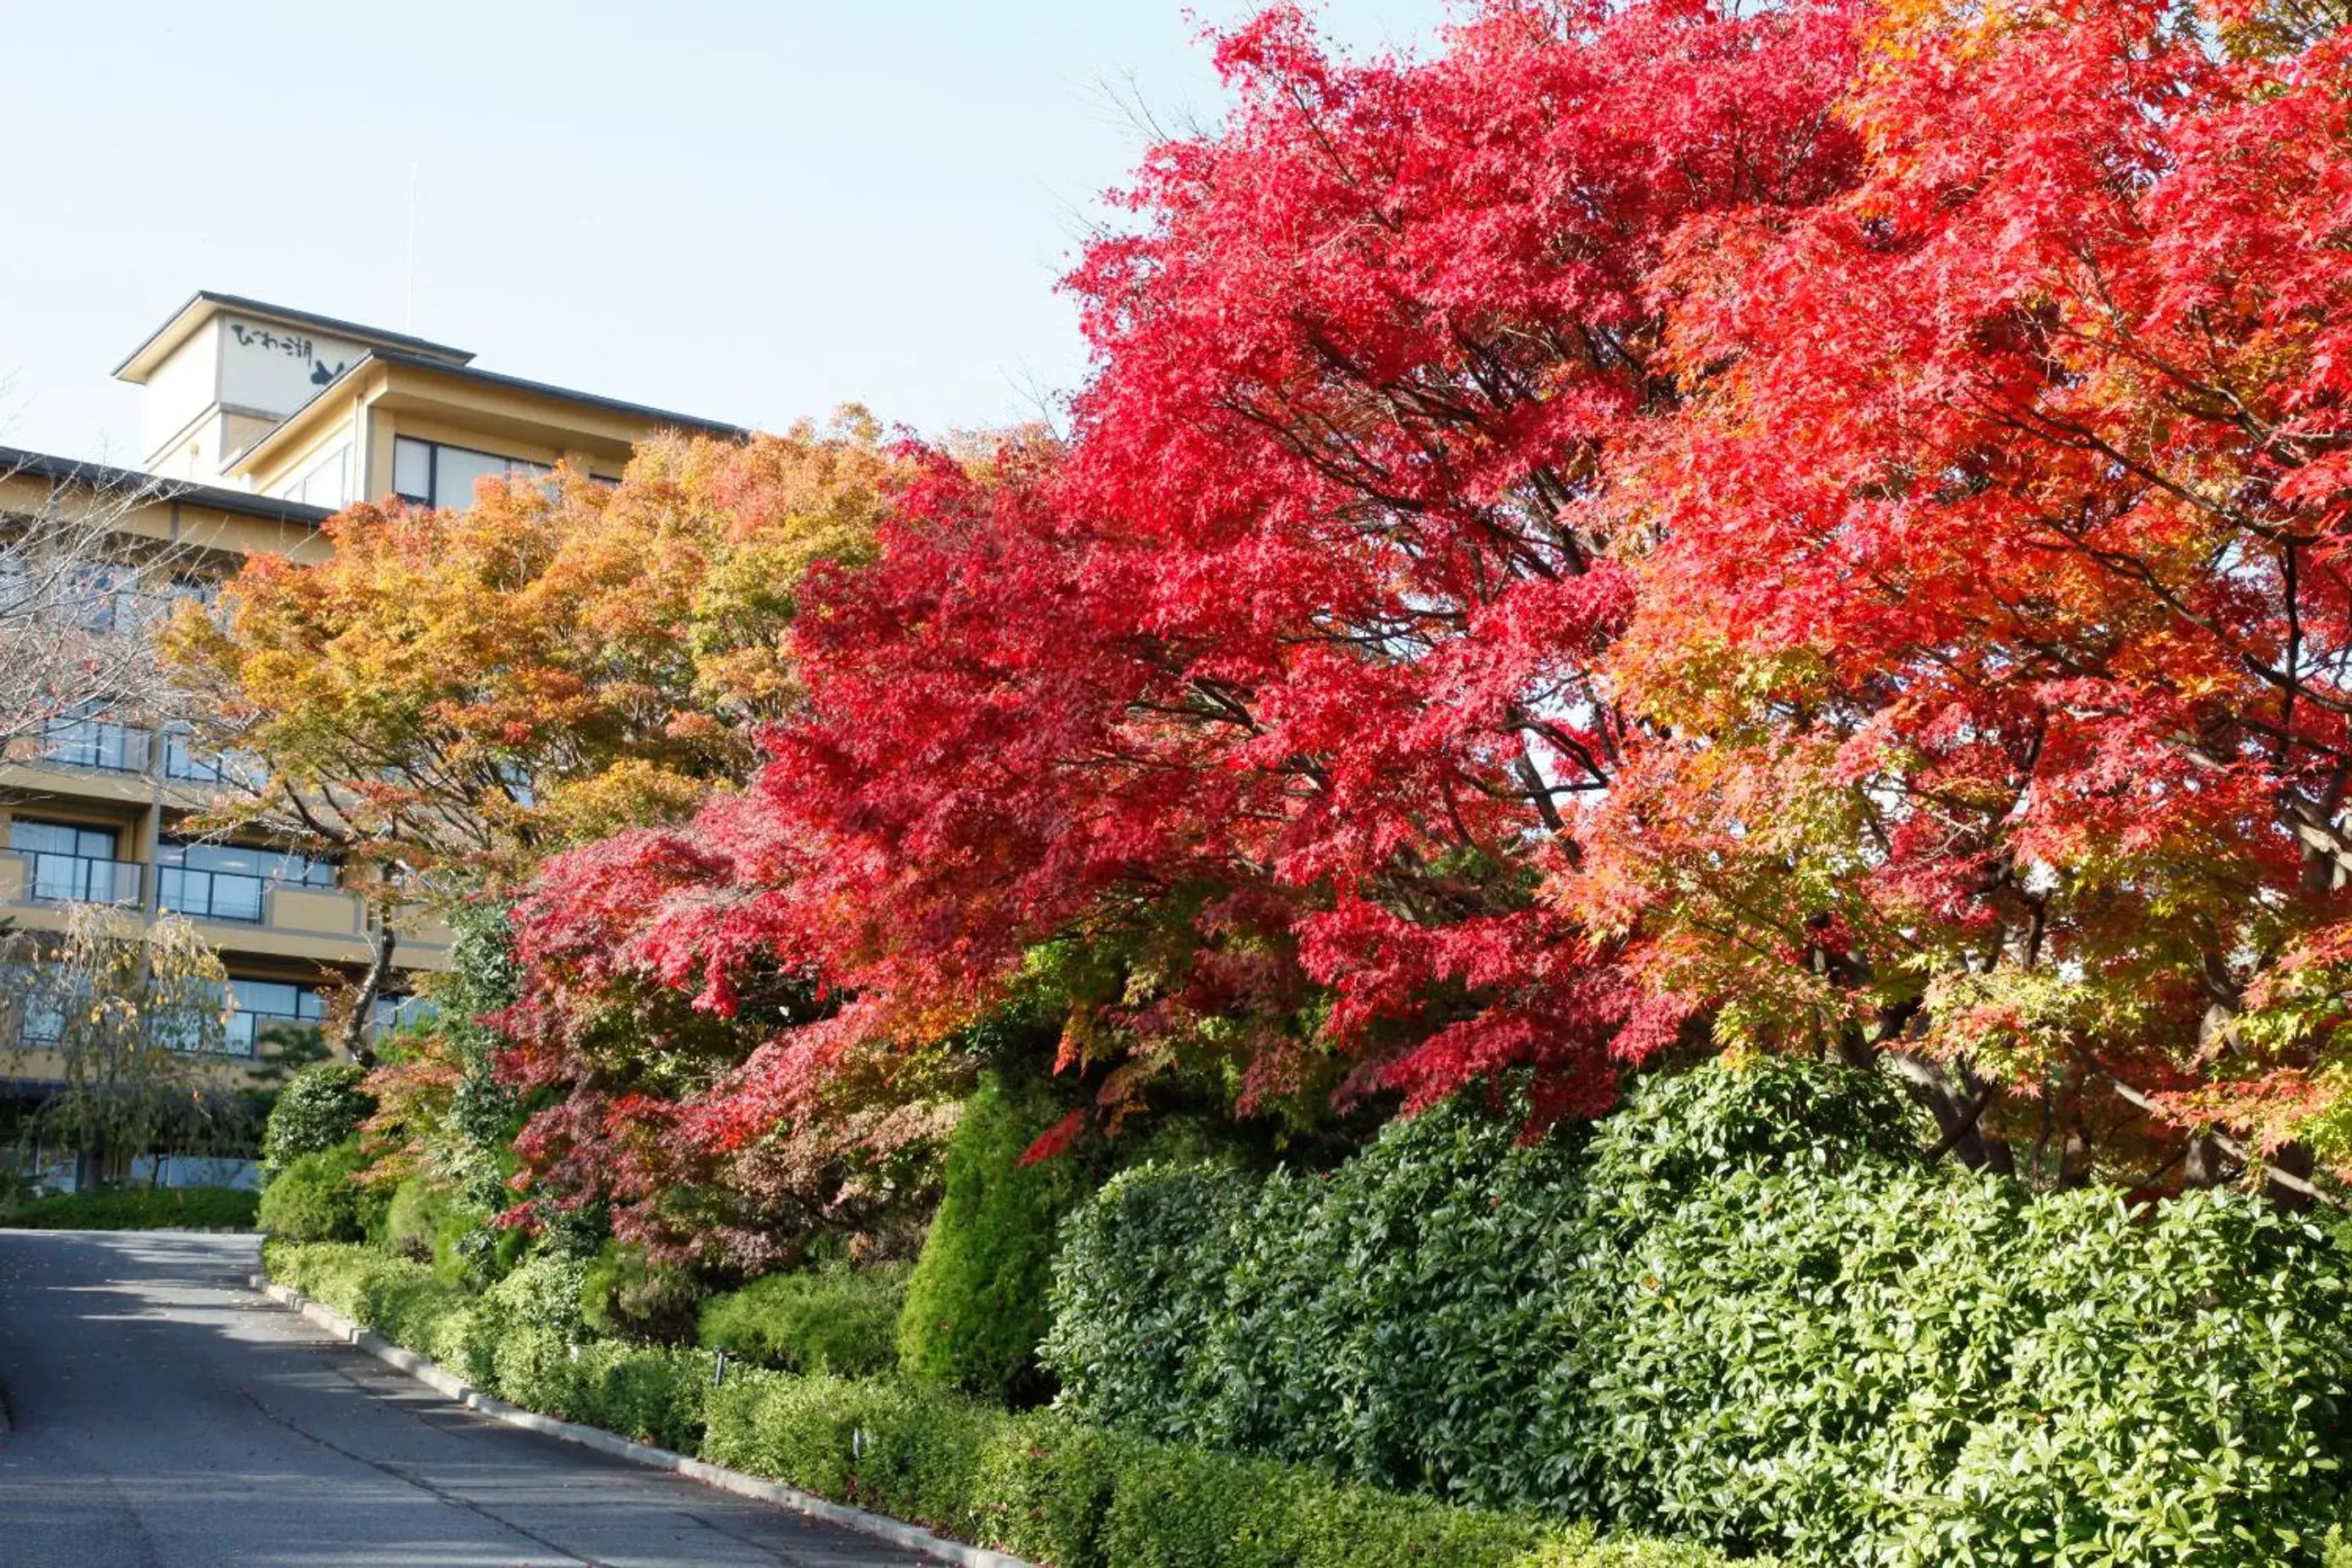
[78, 879]
[128, 752]
[93, 745]
[211, 895]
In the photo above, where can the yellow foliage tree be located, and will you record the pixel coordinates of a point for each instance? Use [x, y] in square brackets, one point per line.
[561, 659]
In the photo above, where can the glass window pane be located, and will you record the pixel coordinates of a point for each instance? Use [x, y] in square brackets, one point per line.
[323, 485]
[35, 836]
[264, 996]
[412, 468]
[457, 470]
[246, 860]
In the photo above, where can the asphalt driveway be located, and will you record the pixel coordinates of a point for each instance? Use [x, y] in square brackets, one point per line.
[168, 1417]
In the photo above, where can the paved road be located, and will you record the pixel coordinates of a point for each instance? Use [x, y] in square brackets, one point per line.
[167, 1417]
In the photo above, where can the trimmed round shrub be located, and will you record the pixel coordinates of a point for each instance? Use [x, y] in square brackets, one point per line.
[318, 1197]
[320, 1106]
[976, 1304]
[832, 1320]
[412, 1225]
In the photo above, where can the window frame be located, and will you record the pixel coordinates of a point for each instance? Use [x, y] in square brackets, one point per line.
[514, 468]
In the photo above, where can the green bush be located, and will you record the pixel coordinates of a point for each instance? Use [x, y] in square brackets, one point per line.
[976, 1304]
[412, 1225]
[320, 1107]
[1739, 1312]
[624, 1295]
[1393, 1320]
[139, 1208]
[429, 1222]
[317, 1197]
[1948, 1370]
[1040, 1485]
[825, 1321]
[542, 1292]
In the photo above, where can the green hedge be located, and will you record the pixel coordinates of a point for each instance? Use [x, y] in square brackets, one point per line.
[1040, 1485]
[139, 1208]
[1742, 1313]
[1048, 1489]
[629, 1295]
[832, 1320]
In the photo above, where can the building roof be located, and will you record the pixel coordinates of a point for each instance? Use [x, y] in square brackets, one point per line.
[205, 303]
[661, 416]
[657, 416]
[129, 481]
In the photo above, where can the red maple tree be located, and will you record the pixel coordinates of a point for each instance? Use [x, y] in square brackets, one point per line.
[1818, 528]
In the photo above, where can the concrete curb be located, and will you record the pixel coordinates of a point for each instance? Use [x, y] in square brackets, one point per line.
[880, 1526]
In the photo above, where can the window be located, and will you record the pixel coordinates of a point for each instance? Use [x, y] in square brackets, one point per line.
[44, 1023]
[40, 1004]
[327, 483]
[228, 881]
[182, 761]
[437, 474]
[104, 599]
[256, 1006]
[72, 863]
[86, 738]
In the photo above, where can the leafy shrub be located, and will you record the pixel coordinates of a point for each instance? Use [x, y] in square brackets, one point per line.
[139, 1208]
[320, 1107]
[318, 1197]
[542, 1292]
[401, 1300]
[626, 1295]
[1948, 1371]
[412, 1225]
[652, 1395]
[1741, 1312]
[1392, 1318]
[976, 1302]
[825, 1321]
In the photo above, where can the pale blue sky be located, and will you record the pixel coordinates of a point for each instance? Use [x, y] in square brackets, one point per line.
[743, 211]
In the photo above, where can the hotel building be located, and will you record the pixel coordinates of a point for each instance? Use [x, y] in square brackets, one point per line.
[258, 423]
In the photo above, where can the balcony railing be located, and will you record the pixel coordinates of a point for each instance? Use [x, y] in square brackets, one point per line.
[102, 745]
[80, 880]
[94, 743]
[210, 895]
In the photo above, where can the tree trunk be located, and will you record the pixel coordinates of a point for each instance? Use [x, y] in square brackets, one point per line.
[379, 969]
[2289, 1159]
[2203, 1168]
